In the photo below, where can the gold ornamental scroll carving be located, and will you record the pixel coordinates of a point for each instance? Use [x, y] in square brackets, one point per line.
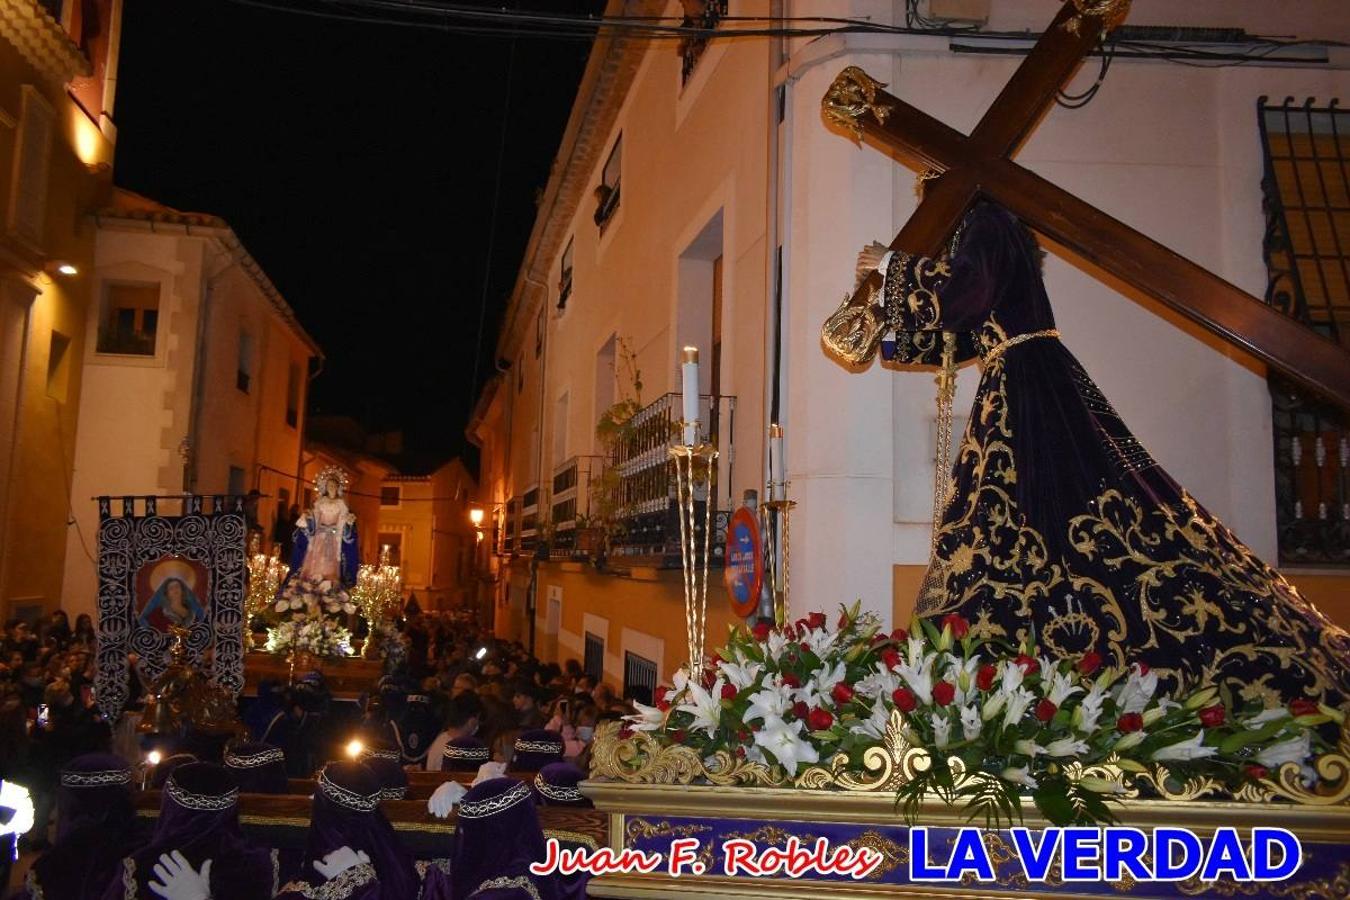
[853, 95]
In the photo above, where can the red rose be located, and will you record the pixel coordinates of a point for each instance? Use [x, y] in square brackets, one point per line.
[984, 679]
[1045, 710]
[740, 753]
[1129, 722]
[679, 736]
[761, 632]
[1257, 771]
[819, 719]
[841, 693]
[663, 705]
[816, 620]
[791, 680]
[802, 624]
[804, 647]
[1212, 716]
[1090, 663]
[1143, 669]
[717, 659]
[1304, 707]
[889, 658]
[959, 626]
[1028, 663]
[879, 638]
[843, 621]
[625, 733]
[800, 709]
[904, 698]
[899, 634]
[728, 692]
[743, 735]
[790, 633]
[661, 691]
[944, 692]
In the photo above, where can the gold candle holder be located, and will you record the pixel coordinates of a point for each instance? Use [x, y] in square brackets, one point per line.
[773, 511]
[694, 464]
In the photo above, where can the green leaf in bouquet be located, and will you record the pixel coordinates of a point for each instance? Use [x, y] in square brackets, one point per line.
[1235, 742]
[1052, 799]
[934, 636]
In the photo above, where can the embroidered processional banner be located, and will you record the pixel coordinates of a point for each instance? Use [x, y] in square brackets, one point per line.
[157, 573]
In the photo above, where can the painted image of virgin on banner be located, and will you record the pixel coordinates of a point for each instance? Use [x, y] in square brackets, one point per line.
[169, 591]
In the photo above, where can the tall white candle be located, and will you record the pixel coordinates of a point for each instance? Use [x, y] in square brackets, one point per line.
[689, 372]
[776, 477]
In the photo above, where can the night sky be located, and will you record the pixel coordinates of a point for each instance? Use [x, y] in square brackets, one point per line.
[356, 162]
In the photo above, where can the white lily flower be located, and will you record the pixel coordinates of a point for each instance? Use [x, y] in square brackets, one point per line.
[1019, 776]
[1266, 715]
[816, 691]
[882, 683]
[1067, 746]
[1018, 702]
[942, 729]
[919, 677]
[993, 706]
[1137, 691]
[1292, 750]
[1028, 747]
[874, 726]
[914, 650]
[1089, 711]
[647, 718]
[775, 645]
[680, 679]
[282, 606]
[970, 722]
[771, 702]
[820, 641]
[1060, 686]
[704, 706]
[961, 673]
[1010, 679]
[785, 743]
[1191, 748]
[741, 673]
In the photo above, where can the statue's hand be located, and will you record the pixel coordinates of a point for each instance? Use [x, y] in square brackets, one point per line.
[869, 260]
[303, 522]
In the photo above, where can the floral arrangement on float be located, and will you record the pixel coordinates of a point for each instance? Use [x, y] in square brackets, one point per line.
[306, 596]
[931, 711]
[386, 642]
[309, 633]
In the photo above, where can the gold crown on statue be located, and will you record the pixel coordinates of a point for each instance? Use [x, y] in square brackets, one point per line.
[334, 474]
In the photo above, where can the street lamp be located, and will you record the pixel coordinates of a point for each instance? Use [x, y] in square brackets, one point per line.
[476, 516]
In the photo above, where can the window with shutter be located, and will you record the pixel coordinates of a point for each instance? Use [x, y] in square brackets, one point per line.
[28, 201]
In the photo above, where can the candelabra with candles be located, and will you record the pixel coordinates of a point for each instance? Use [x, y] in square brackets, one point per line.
[378, 589]
[695, 465]
[265, 575]
[776, 519]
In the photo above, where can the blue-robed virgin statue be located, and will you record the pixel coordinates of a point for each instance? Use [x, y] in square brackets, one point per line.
[325, 556]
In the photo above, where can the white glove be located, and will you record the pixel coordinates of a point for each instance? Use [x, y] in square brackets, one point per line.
[444, 798]
[15, 796]
[339, 861]
[489, 770]
[179, 880]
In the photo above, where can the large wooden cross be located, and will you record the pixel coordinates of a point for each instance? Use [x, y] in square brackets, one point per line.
[967, 167]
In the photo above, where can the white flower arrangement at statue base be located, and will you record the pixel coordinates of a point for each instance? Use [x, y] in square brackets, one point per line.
[1011, 721]
[309, 633]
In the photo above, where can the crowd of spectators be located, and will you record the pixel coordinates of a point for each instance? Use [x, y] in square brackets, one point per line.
[460, 682]
[47, 711]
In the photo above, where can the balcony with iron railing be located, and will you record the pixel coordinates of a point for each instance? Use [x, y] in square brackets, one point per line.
[570, 504]
[647, 487]
[1306, 185]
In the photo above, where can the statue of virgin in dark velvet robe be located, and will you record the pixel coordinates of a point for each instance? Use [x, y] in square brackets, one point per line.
[1057, 521]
